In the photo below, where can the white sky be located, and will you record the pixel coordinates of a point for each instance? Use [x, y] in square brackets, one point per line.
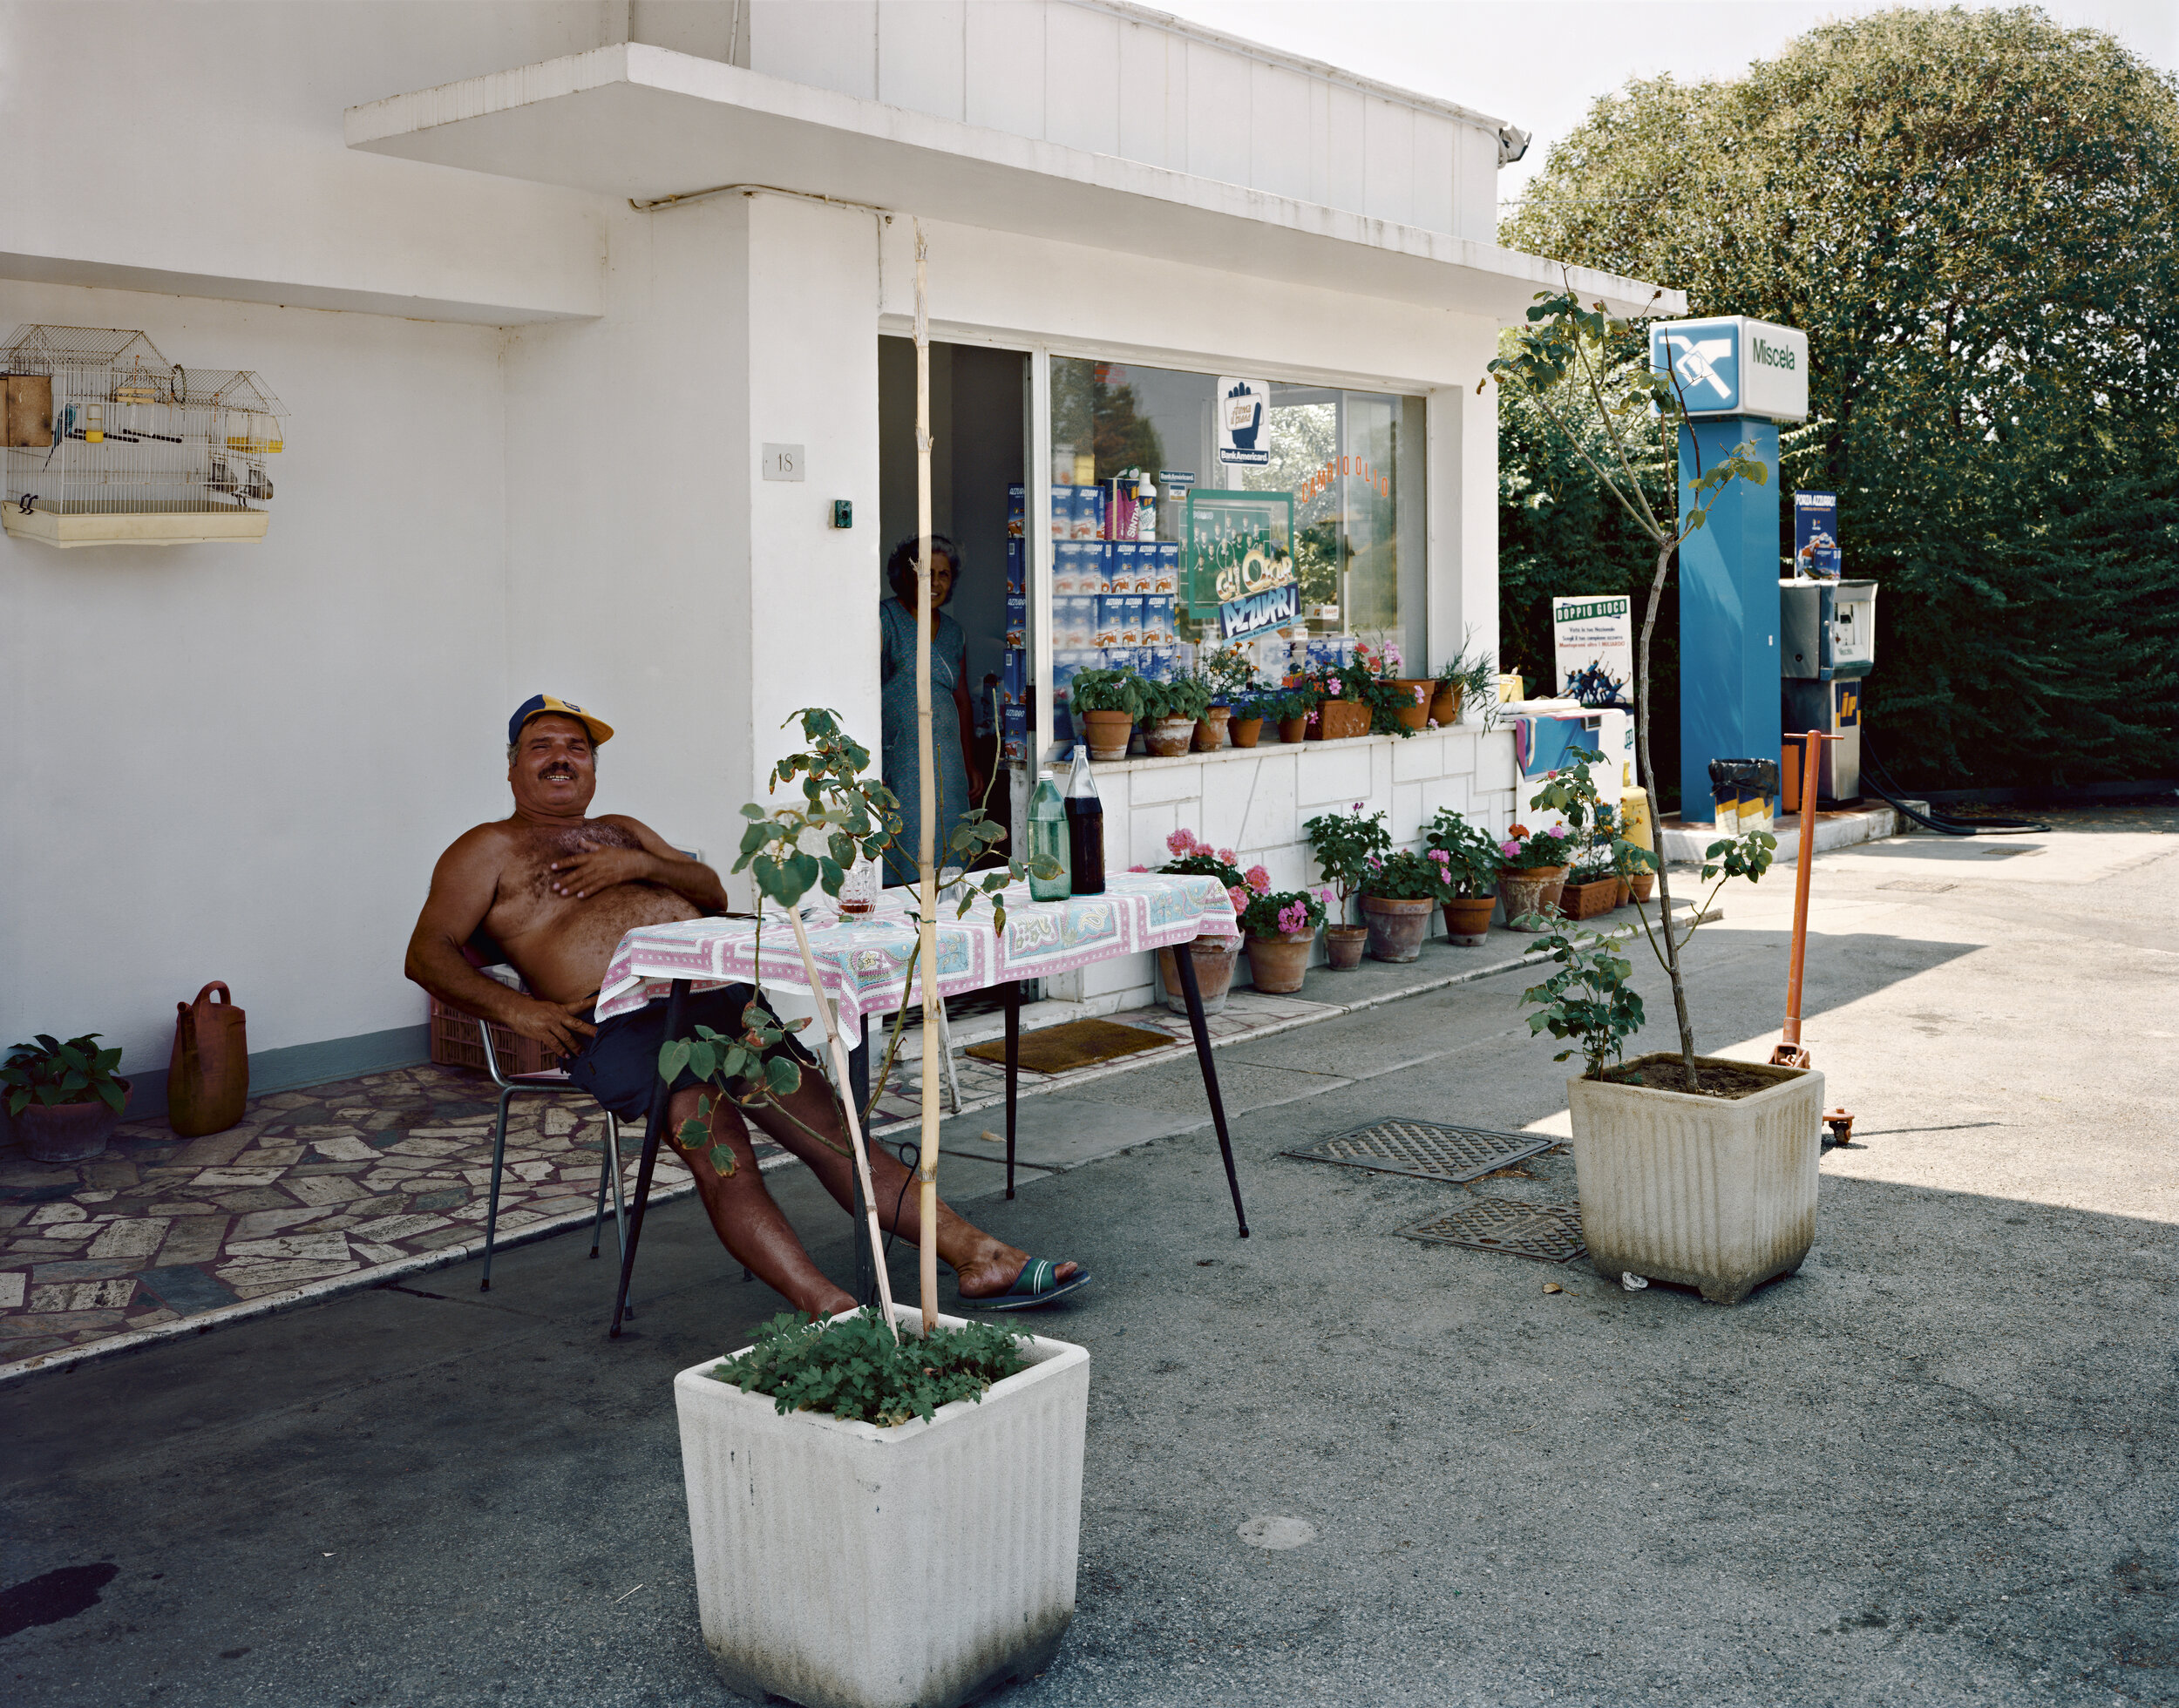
[1540, 62]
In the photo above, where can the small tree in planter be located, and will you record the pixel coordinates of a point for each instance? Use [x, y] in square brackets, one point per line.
[1709, 1181]
[1345, 844]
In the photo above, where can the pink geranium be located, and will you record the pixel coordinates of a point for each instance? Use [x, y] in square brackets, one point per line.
[1181, 843]
[1335, 686]
[1292, 916]
[1227, 857]
[1139, 868]
[1259, 880]
[1238, 896]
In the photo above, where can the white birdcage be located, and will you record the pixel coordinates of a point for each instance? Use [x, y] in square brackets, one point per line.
[108, 443]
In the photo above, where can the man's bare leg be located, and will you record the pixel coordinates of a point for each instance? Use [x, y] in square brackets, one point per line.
[749, 1223]
[984, 1266]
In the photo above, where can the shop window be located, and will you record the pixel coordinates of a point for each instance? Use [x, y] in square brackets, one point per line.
[1193, 510]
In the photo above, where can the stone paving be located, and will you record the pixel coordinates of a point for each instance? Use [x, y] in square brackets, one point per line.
[356, 1182]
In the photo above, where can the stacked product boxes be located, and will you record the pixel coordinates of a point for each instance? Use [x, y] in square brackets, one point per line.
[1113, 604]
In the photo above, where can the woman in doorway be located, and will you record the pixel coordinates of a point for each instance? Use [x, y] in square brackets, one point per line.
[952, 737]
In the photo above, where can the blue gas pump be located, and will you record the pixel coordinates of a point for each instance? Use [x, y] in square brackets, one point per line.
[1739, 378]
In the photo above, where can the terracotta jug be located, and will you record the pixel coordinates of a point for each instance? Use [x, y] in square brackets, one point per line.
[207, 1077]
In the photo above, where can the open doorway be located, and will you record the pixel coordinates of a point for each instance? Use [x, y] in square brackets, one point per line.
[979, 450]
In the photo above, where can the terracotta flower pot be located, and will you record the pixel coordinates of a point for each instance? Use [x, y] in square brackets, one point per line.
[1340, 720]
[1397, 926]
[1643, 886]
[69, 1132]
[1211, 728]
[1415, 712]
[1468, 920]
[1214, 959]
[1445, 705]
[1343, 945]
[1588, 901]
[1245, 730]
[1169, 737]
[1530, 890]
[1277, 964]
[1294, 729]
[1107, 733]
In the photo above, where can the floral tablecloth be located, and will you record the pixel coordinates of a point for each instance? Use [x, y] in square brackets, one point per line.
[863, 962]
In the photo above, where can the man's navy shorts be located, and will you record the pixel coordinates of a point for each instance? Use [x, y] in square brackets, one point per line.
[619, 1066]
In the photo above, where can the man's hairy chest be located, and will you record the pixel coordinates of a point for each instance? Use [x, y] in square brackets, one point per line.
[525, 887]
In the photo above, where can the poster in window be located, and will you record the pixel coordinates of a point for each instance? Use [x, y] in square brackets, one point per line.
[1240, 571]
[1244, 414]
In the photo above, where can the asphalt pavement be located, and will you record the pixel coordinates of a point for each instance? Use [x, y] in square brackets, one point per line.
[1936, 1466]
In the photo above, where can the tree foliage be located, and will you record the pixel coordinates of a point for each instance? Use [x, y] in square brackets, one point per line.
[1975, 217]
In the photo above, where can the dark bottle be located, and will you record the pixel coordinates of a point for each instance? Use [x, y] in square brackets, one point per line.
[1085, 828]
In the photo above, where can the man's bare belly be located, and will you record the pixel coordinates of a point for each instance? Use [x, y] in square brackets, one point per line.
[561, 945]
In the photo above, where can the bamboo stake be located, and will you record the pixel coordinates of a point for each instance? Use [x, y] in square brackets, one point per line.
[926, 860]
[854, 1118]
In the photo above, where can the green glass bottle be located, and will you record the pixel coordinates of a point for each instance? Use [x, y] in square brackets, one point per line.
[1048, 841]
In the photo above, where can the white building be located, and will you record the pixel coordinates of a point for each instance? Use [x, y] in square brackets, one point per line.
[539, 283]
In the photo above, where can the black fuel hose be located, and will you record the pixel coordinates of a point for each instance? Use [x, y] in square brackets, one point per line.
[1879, 783]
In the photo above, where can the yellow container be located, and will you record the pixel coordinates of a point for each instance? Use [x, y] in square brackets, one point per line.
[1634, 823]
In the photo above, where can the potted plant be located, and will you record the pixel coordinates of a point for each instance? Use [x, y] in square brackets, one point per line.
[1342, 709]
[1399, 893]
[1471, 868]
[1345, 845]
[1247, 725]
[1228, 671]
[64, 1100]
[1598, 857]
[1690, 1168]
[1106, 705]
[832, 1472]
[1169, 712]
[1463, 683]
[1532, 867]
[1290, 709]
[1280, 929]
[1401, 704]
[1214, 955]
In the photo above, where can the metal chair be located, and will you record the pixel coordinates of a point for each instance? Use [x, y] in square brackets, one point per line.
[551, 1082]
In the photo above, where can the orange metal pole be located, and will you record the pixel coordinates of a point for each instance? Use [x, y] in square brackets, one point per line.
[1811, 750]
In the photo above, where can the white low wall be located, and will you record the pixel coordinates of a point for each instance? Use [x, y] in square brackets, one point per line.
[1255, 801]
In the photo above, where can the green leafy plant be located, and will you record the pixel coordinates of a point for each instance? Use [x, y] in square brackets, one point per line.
[1345, 845]
[847, 814]
[49, 1073]
[1405, 875]
[1231, 674]
[853, 1369]
[1283, 912]
[1472, 857]
[1187, 695]
[1108, 691]
[1477, 678]
[1588, 999]
[1281, 704]
[1524, 850]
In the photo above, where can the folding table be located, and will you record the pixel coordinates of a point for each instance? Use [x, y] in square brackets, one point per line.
[863, 964]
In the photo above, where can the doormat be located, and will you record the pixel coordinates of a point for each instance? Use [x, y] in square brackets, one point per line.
[1426, 1150]
[1551, 1232]
[1059, 1049]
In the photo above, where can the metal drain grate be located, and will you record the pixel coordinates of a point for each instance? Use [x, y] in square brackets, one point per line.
[1426, 1150]
[1549, 1231]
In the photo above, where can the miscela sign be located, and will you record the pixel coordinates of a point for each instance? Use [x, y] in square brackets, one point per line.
[1733, 365]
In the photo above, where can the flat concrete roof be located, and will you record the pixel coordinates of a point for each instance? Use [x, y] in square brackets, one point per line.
[652, 124]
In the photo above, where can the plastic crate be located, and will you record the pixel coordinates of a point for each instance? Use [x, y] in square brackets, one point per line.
[455, 1044]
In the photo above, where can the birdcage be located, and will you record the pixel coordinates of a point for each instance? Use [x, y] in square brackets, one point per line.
[110, 444]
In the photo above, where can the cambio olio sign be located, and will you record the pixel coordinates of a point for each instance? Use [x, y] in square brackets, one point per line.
[1733, 365]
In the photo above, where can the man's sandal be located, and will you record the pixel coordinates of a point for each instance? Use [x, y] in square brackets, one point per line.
[1033, 1288]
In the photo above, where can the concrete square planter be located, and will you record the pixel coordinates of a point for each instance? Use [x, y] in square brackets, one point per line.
[1711, 1193]
[840, 1565]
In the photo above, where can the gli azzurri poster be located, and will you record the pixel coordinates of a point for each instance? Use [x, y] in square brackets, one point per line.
[1241, 561]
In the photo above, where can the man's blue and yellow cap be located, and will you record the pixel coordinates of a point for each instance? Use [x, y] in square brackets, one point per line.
[538, 704]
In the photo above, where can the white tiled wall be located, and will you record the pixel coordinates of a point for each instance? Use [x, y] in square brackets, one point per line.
[1255, 801]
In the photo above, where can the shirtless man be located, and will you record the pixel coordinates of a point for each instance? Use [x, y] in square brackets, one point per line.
[557, 889]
